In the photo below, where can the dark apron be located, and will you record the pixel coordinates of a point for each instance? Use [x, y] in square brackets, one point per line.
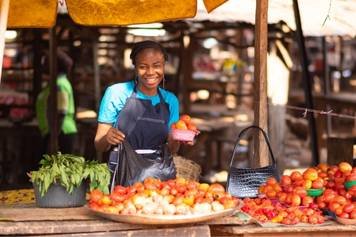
[145, 127]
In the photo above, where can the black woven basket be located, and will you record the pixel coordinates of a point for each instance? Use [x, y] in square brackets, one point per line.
[244, 182]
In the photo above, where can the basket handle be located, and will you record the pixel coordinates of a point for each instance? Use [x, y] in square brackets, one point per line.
[239, 138]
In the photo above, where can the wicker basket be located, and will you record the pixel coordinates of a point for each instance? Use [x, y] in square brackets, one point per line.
[187, 169]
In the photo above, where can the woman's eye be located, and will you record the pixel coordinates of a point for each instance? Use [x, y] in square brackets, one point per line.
[157, 66]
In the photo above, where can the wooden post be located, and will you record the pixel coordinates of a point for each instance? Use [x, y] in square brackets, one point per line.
[240, 53]
[97, 88]
[3, 25]
[326, 78]
[37, 69]
[52, 103]
[260, 96]
[307, 84]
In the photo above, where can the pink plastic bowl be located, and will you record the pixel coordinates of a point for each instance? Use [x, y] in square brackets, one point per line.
[183, 135]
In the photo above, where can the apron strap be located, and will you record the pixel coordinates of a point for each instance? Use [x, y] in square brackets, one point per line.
[119, 151]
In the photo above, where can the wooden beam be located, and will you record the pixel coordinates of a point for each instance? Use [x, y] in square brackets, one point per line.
[53, 115]
[260, 97]
[307, 84]
[37, 69]
[3, 25]
[97, 88]
[326, 79]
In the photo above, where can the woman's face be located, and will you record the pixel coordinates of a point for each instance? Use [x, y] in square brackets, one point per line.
[150, 70]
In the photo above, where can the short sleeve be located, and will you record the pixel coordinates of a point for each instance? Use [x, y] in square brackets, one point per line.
[107, 110]
[174, 111]
[173, 103]
[113, 102]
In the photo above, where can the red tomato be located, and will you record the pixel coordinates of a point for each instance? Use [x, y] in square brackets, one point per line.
[96, 195]
[353, 214]
[120, 190]
[117, 198]
[216, 188]
[345, 215]
[186, 118]
[348, 208]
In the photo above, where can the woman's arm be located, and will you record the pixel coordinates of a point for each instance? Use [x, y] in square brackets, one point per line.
[106, 136]
[173, 145]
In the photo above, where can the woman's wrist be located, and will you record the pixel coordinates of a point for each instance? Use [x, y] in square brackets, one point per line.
[102, 145]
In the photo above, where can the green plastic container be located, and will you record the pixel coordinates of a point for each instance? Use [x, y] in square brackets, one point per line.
[349, 184]
[315, 192]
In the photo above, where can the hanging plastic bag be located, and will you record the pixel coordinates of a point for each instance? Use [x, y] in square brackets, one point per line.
[128, 167]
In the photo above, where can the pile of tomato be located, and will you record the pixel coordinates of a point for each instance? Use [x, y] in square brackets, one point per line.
[173, 197]
[290, 202]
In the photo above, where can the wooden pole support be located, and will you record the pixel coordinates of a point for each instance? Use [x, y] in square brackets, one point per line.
[260, 74]
[3, 25]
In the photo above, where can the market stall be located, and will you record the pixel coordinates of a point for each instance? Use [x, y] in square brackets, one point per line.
[188, 200]
[314, 202]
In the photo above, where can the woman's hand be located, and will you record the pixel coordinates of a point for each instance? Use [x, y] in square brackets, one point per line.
[174, 144]
[106, 136]
[114, 136]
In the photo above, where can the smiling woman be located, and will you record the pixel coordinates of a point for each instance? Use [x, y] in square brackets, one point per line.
[138, 115]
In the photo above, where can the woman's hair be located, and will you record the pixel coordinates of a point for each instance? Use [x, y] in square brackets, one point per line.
[147, 44]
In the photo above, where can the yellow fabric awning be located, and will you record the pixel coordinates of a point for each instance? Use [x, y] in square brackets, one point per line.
[42, 13]
[34, 13]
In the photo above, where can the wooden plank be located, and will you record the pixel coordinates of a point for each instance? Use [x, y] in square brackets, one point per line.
[305, 234]
[201, 231]
[260, 74]
[52, 98]
[31, 213]
[4, 11]
[228, 220]
[55, 227]
[28, 213]
[254, 229]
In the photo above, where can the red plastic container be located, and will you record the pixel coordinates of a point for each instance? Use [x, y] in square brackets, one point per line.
[183, 135]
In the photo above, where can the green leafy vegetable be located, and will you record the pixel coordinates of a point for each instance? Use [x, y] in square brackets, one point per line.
[70, 171]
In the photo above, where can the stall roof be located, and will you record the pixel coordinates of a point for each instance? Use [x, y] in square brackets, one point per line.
[42, 14]
[319, 17]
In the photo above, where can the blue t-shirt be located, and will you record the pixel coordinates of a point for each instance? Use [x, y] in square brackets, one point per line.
[116, 95]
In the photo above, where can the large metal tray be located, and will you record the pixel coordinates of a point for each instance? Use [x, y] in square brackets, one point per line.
[163, 219]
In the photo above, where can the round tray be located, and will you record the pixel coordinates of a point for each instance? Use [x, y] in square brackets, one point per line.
[163, 219]
[346, 221]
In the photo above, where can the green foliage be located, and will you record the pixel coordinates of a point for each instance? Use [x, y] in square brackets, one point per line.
[70, 171]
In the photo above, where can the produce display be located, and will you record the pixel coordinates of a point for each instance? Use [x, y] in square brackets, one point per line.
[309, 197]
[301, 197]
[184, 129]
[154, 197]
[264, 210]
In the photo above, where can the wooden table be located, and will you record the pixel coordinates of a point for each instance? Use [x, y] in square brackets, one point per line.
[334, 230]
[29, 220]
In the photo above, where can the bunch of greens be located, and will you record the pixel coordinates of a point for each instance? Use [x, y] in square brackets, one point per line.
[70, 171]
